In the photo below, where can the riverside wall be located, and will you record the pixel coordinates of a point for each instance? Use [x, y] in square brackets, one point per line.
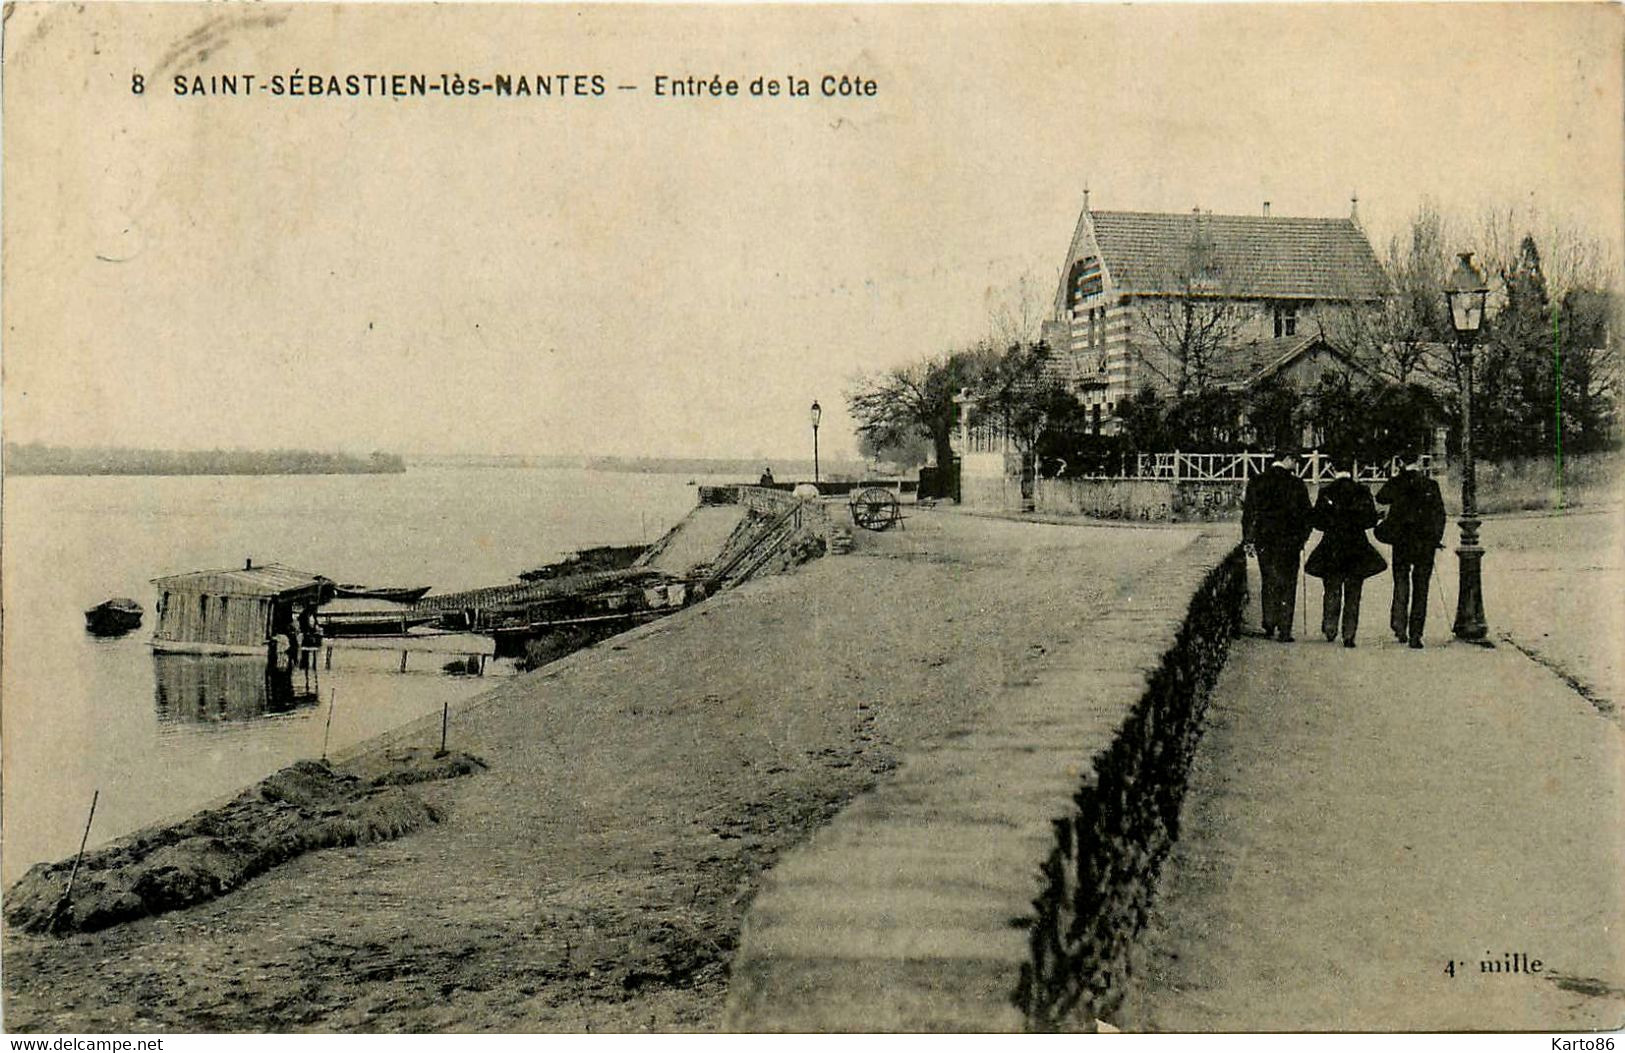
[999, 880]
[1127, 500]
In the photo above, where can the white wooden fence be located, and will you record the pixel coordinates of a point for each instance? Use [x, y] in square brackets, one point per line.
[1178, 467]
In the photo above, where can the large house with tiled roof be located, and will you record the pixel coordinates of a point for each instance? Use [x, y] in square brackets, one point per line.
[1183, 300]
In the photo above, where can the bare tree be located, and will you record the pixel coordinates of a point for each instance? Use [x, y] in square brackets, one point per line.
[1398, 337]
[1016, 312]
[1195, 319]
[1570, 258]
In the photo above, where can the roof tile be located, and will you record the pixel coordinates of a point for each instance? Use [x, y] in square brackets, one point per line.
[1265, 257]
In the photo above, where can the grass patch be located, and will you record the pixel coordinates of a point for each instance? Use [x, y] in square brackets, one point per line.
[304, 807]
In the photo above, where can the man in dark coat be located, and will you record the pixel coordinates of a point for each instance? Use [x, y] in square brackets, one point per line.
[1275, 524]
[1414, 527]
[1344, 511]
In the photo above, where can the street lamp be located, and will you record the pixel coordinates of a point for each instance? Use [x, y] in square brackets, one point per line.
[1465, 293]
[817, 413]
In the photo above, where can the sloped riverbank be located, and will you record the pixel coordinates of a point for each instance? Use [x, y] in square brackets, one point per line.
[596, 876]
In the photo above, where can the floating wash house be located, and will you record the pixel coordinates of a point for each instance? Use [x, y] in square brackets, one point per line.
[232, 611]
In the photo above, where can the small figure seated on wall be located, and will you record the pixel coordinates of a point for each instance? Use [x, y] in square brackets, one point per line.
[767, 477]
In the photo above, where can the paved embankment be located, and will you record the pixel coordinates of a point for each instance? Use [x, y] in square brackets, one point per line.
[595, 877]
[696, 541]
[1358, 820]
[915, 909]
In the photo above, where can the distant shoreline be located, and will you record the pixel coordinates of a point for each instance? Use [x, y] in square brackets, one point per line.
[38, 459]
[41, 459]
[740, 467]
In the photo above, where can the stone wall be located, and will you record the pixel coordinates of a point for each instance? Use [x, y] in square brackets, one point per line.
[995, 492]
[1142, 500]
[1130, 500]
[948, 898]
[1101, 873]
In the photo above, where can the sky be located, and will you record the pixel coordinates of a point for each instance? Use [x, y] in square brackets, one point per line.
[635, 275]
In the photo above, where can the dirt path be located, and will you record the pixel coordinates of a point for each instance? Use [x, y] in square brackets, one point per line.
[1358, 820]
[595, 877]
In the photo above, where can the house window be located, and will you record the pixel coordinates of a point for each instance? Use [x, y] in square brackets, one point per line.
[1085, 281]
[1286, 319]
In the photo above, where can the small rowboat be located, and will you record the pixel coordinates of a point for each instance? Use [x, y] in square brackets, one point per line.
[114, 617]
[398, 594]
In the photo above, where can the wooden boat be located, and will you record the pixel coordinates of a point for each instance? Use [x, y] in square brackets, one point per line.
[394, 594]
[113, 617]
[587, 561]
[510, 639]
[371, 622]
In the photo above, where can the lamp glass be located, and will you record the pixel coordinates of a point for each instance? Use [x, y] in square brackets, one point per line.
[1466, 293]
[817, 412]
[1467, 311]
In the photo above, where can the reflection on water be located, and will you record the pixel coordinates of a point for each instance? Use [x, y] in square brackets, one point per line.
[196, 689]
[159, 737]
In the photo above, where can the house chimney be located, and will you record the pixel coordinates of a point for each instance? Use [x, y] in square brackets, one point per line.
[1086, 197]
[1354, 205]
[1266, 208]
[248, 564]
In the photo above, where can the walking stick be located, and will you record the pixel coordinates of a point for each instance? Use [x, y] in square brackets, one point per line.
[1303, 602]
[1438, 589]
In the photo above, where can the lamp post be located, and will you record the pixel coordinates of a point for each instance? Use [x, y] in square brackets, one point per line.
[1465, 294]
[817, 413]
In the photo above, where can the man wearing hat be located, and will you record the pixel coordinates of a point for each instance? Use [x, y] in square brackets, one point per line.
[1274, 525]
[1344, 558]
[1414, 527]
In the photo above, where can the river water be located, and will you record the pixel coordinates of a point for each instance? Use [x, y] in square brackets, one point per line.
[161, 735]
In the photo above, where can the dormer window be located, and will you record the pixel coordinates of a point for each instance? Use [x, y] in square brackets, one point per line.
[1286, 319]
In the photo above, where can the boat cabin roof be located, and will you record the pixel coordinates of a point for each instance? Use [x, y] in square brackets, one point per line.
[272, 580]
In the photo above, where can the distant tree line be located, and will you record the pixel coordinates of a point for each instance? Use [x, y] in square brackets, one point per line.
[40, 459]
[1547, 365]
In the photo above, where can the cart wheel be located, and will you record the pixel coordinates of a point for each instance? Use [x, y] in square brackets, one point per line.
[875, 508]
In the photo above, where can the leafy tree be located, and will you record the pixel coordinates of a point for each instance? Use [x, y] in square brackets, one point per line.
[1586, 339]
[1015, 393]
[1336, 413]
[910, 451]
[895, 405]
[1515, 397]
[1066, 444]
[1144, 420]
[1274, 414]
[1206, 420]
[1398, 417]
